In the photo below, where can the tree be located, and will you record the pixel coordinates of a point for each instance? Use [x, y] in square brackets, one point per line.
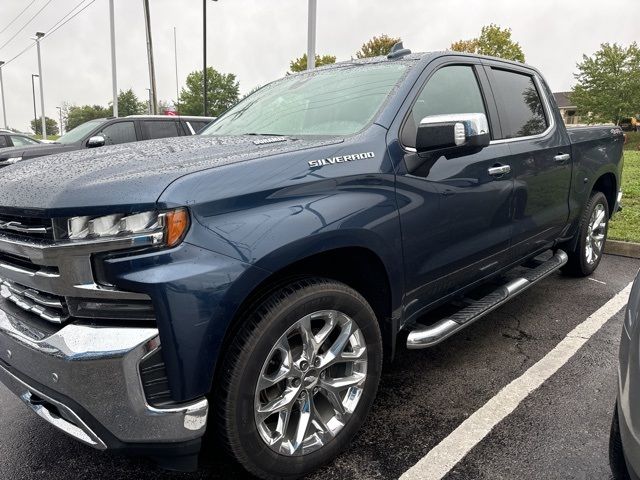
[52, 126]
[79, 115]
[222, 93]
[493, 41]
[377, 46]
[608, 85]
[300, 63]
[130, 104]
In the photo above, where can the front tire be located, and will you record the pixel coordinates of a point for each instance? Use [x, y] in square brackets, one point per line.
[299, 378]
[616, 453]
[592, 235]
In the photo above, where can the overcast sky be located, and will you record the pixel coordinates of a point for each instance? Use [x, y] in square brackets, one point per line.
[256, 39]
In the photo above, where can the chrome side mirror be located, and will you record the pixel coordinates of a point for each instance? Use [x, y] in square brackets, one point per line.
[453, 131]
[96, 141]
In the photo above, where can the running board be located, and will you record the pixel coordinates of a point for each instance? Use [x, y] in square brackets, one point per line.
[424, 337]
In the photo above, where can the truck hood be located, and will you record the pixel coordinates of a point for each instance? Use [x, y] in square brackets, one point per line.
[32, 151]
[128, 176]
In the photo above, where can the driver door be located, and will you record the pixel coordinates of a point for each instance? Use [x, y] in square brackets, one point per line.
[455, 214]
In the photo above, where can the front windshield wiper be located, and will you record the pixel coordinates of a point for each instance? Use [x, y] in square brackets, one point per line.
[266, 134]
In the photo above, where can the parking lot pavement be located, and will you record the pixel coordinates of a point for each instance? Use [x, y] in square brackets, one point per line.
[559, 431]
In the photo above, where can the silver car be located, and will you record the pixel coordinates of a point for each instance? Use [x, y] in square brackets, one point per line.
[624, 443]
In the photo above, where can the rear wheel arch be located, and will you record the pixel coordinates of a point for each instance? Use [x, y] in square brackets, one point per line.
[608, 185]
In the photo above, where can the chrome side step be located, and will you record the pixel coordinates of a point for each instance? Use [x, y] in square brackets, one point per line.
[424, 337]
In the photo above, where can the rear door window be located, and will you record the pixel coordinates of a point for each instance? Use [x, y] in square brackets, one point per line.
[159, 129]
[3, 141]
[520, 106]
[121, 132]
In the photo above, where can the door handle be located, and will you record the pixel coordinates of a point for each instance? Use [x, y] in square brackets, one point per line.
[499, 170]
[563, 157]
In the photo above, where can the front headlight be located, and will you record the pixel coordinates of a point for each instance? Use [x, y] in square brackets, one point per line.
[169, 227]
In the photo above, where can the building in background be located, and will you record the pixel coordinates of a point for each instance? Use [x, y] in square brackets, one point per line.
[567, 108]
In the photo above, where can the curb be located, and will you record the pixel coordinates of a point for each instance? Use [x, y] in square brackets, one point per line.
[623, 249]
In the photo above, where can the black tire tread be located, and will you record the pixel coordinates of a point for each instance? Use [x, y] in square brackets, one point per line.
[616, 454]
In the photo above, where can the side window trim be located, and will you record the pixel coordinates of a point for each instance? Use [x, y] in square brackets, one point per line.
[550, 117]
[487, 95]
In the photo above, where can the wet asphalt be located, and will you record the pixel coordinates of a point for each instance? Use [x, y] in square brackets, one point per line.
[560, 431]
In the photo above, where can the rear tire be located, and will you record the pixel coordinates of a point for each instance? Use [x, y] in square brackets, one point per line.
[616, 454]
[283, 408]
[592, 236]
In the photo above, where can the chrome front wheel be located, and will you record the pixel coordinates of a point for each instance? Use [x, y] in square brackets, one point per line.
[310, 383]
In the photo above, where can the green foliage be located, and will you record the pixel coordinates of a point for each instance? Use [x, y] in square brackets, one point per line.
[52, 126]
[608, 87]
[300, 63]
[493, 41]
[222, 93]
[78, 115]
[377, 46]
[130, 104]
[633, 141]
[626, 224]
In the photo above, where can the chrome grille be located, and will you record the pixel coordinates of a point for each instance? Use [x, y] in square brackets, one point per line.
[48, 307]
[26, 227]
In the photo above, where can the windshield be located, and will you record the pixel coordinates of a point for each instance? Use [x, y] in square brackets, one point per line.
[80, 131]
[337, 101]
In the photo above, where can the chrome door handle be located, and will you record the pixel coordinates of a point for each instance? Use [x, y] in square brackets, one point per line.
[499, 170]
[563, 157]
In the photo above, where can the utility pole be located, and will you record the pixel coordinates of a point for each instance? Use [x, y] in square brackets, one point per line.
[152, 71]
[4, 107]
[39, 35]
[311, 35]
[60, 113]
[114, 80]
[175, 54]
[204, 55]
[35, 114]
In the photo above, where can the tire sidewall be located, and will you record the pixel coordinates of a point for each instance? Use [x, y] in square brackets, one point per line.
[244, 434]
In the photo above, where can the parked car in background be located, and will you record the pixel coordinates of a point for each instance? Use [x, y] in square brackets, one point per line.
[624, 442]
[109, 131]
[629, 124]
[11, 139]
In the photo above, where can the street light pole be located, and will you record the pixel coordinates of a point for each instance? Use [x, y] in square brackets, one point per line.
[114, 80]
[152, 70]
[150, 112]
[60, 113]
[39, 35]
[4, 107]
[311, 35]
[204, 55]
[35, 114]
[175, 54]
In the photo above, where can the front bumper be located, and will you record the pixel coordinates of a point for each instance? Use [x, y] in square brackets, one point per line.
[84, 379]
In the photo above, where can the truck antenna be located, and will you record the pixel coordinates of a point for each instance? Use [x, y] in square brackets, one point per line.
[398, 51]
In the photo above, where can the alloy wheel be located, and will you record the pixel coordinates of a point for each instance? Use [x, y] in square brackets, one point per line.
[310, 383]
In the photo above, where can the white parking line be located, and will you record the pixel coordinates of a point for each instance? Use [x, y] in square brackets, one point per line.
[444, 456]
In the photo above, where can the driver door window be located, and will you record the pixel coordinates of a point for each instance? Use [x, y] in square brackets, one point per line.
[121, 132]
[452, 89]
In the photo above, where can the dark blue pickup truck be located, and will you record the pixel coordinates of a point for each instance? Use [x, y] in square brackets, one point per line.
[247, 282]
